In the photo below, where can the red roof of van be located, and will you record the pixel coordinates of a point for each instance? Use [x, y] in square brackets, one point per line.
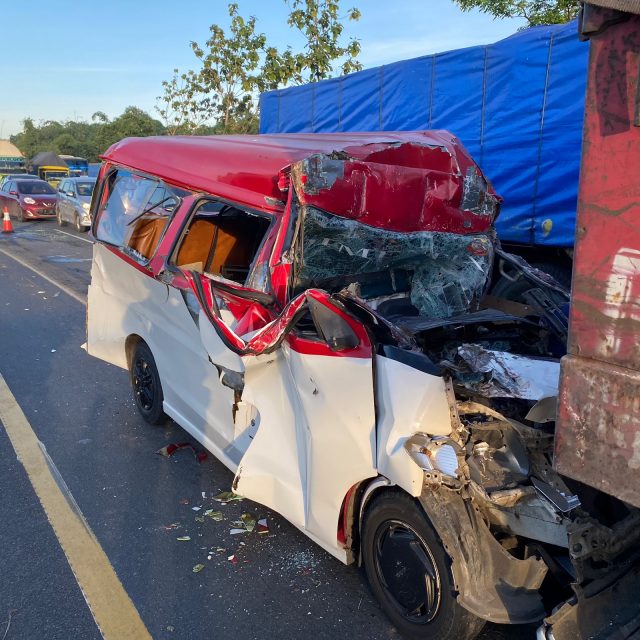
[246, 168]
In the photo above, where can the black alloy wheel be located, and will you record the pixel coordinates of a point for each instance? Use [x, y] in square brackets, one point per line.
[146, 386]
[409, 571]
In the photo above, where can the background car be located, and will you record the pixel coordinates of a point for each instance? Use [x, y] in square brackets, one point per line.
[29, 199]
[74, 200]
[17, 176]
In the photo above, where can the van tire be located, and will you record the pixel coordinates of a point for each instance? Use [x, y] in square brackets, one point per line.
[146, 385]
[409, 572]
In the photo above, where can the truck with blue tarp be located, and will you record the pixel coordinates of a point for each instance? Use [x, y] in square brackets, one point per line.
[517, 105]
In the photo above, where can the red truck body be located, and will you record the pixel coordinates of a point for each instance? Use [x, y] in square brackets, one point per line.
[598, 429]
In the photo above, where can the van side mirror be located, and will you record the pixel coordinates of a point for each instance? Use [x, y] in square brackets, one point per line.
[335, 330]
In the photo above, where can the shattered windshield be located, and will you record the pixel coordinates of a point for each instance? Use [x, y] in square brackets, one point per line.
[443, 274]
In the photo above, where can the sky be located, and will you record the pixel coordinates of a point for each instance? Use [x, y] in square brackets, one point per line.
[71, 59]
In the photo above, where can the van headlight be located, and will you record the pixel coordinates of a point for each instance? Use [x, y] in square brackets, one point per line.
[433, 453]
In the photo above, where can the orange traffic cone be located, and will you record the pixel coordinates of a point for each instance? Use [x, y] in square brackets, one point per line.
[7, 227]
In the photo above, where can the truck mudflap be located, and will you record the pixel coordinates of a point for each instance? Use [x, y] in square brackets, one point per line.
[605, 610]
[491, 583]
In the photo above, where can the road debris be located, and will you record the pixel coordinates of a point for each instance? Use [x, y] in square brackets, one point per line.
[214, 515]
[199, 518]
[170, 449]
[196, 508]
[232, 559]
[248, 521]
[198, 568]
[173, 525]
[227, 496]
[263, 526]
[183, 538]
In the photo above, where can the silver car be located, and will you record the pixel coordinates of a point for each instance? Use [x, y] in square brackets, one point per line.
[74, 202]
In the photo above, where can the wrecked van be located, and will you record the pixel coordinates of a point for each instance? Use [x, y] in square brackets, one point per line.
[313, 309]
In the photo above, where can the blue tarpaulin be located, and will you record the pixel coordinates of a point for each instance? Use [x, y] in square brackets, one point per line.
[517, 105]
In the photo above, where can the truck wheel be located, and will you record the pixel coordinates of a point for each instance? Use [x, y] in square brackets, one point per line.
[409, 574]
[146, 386]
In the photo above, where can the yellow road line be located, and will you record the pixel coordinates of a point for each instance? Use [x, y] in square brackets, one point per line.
[62, 287]
[112, 609]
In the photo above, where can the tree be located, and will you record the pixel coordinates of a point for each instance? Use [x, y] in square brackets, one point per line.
[230, 74]
[535, 12]
[85, 139]
[322, 27]
[133, 122]
[238, 64]
[183, 107]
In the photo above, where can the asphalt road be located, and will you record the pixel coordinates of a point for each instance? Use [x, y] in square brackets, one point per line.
[136, 502]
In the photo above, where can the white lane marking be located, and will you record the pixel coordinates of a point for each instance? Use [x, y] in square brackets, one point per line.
[66, 233]
[55, 283]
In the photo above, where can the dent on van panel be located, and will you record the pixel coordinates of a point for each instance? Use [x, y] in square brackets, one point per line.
[408, 401]
[315, 438]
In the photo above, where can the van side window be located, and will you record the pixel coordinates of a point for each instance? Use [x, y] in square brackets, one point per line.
[135, 212]
[222, 240]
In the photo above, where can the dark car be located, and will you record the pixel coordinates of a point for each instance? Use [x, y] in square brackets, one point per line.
[74, 201]
[29, 199]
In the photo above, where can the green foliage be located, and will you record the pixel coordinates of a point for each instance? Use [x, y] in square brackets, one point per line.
[319, 22]
[237, 64]
[229, 73]
[183, 107]
[85, 139]
[536, 12]
[132, 122]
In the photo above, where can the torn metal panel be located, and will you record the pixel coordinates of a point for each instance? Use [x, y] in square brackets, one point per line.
[433, 186]
[607, 611]
[491, 583]
[504, 375]
[408, 401]
[310, 423]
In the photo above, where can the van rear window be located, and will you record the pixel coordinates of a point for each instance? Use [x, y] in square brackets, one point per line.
[134, 213]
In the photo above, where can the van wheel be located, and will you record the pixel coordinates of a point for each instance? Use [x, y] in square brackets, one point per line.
[145, 382]
[409, 572]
